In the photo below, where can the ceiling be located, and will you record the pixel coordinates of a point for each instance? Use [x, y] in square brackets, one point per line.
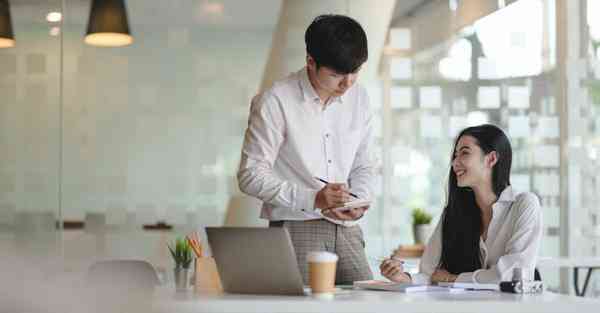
[407, 8]
[216, 13]
[226, 14]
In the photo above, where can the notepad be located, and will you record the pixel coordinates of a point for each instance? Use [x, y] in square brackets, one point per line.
[471, 286]
[399, 287]
[353, 204]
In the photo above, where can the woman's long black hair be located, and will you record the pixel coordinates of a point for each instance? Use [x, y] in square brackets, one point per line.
[461, 228]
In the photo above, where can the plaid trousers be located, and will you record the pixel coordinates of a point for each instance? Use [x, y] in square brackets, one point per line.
[321, 235]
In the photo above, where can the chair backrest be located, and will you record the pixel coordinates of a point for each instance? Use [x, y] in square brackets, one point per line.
[244, 211]
[120, 286]
[536, 275]
[135, 274]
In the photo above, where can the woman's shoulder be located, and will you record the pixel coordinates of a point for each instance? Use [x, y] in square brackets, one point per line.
[526, 197]
[526, 202]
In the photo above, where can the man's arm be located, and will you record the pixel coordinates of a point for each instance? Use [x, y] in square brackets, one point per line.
[362, 173]
[263, 139]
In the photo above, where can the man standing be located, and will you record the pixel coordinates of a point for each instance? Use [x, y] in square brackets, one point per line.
[315, 123]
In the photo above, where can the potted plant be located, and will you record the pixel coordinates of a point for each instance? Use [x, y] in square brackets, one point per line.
[182, 255]
[421, 220]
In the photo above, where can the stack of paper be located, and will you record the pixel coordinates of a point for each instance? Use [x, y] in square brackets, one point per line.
[353, 204]
[400, 287]
[471, 286]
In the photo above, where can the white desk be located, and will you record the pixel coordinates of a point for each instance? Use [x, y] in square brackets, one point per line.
[589, 263]
[348, 301]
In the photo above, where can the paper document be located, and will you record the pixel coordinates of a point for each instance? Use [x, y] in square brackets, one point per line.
[400, 287]
[353, 204]
[471, 286]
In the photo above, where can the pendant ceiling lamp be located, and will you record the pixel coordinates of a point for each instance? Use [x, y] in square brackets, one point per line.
[7, 38]
[107, 25]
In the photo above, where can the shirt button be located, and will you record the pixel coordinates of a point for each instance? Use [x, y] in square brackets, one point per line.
[329, 161]
[326, 135]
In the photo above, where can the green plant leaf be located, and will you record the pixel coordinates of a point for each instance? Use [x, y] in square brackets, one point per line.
[182, 254]
[420, 217]
[172, 252]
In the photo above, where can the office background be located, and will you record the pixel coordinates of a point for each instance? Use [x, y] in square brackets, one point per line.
[118, 138]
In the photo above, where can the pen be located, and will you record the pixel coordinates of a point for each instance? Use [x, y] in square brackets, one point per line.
[326, 182]
[381, 259]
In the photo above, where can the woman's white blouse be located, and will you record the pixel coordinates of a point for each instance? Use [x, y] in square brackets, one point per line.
[513, 240]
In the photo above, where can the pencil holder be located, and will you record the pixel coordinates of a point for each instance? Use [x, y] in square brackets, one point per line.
[206, 276]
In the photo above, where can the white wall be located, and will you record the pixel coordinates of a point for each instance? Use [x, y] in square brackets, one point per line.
[155, 127]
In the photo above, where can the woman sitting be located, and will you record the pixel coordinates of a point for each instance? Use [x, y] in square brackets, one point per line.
[486, 230]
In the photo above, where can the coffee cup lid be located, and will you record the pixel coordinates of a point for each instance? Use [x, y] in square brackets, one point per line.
[321, 256]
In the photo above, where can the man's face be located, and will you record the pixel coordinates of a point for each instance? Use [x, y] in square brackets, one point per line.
[330, 81]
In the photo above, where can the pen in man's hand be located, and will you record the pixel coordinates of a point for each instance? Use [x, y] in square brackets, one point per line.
[326, 182]
[381, 259]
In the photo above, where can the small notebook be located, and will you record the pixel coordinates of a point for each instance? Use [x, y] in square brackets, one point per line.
[399, 287]
[353, 204]
[471, 286]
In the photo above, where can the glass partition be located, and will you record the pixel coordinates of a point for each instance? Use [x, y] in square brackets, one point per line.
[499, 70]
[113, 152]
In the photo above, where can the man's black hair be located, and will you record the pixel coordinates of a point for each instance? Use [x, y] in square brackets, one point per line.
[337, 42]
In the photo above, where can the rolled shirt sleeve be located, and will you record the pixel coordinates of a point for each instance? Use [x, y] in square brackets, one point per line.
[516, 244]
[361, 177]
[294, 137]
[262, 141]
[431, 256]
[521, 248]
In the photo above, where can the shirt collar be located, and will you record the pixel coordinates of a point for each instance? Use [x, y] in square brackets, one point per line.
[308, 92]
[507, 195]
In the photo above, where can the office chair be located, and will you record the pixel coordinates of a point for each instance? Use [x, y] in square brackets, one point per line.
[120, 286]
[536, 275]
[122, 272]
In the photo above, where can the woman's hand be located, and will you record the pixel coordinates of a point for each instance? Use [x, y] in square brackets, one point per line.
[393, 270]
[442, 276]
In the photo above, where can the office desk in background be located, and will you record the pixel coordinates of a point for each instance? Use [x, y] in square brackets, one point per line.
[348, 301]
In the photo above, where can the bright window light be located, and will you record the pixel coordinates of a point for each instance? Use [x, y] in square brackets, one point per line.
[512, 39]
[54, 17]
[593, 18]
[477, 118]
[417, 164]
[458, 63]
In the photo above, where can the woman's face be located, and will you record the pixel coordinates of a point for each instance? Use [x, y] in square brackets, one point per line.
[471, 166]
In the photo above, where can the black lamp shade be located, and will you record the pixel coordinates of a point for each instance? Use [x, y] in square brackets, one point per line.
[7, 38]
[108, 25]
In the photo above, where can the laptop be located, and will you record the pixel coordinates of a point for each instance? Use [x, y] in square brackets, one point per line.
[255, 260]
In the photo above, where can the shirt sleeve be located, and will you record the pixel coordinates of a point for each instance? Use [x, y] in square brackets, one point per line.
[431, 256]
[263, 139]
[521, 248]
[361, 177]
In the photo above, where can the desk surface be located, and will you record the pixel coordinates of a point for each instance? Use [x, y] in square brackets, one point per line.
[348, 301]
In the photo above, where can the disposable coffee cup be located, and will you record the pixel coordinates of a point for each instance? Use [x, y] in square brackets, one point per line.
[321, 269]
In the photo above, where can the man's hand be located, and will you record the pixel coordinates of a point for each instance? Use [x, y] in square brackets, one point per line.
[331, 196]
[442, 276]
[347, 215]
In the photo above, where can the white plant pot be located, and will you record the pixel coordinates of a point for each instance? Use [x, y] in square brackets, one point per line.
[421, 233]
[182, 278]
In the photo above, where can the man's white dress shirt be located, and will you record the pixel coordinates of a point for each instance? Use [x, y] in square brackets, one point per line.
[513, 240]
[292, 137]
